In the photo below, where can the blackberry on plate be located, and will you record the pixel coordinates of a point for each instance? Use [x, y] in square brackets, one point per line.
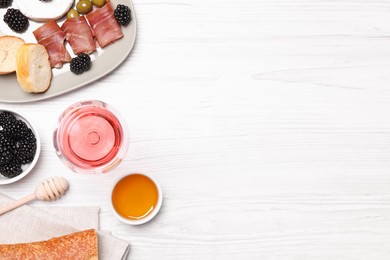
[87, 59]
[25, 150]
[16, 20]
[6, 117]
[19, 129]
[79, 65]
[122, 14]
[16, 129]
[84, 56]
[12, 169]
[6, 127]
[30, 137]
[5, 157]
[6, 143]
[18, 145]
[5, 3]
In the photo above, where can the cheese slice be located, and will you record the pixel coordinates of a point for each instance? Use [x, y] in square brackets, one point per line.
[44, 11]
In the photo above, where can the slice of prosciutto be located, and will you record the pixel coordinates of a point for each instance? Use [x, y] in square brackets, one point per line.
[104, 25]
[52, 37]
[79, 35]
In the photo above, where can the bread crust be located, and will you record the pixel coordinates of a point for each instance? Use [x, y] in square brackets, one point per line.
[81, 245]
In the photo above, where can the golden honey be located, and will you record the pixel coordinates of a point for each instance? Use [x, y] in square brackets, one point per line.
[135, 196]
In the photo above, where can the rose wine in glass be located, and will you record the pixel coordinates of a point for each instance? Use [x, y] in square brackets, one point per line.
[91, 137]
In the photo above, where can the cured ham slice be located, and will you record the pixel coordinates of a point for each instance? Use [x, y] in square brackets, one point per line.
[79, 35]
[104, 25]
[52, 37]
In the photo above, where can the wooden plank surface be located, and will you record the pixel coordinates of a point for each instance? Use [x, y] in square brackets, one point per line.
[265, 122]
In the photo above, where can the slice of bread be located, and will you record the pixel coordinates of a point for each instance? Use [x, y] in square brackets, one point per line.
[9, 46]
[33, 69]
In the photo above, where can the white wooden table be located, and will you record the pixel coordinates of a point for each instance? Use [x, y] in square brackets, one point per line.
[266, 123]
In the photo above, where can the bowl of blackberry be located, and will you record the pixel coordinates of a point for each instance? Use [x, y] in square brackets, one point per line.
[19, 146]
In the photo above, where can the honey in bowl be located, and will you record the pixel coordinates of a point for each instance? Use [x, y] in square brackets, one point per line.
[136, 197]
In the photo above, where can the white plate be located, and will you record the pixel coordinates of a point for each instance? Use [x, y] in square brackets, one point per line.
[104, 61]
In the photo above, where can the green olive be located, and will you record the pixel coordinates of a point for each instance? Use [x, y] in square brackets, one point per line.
[72, 13]
[99, 3]
[84, 6]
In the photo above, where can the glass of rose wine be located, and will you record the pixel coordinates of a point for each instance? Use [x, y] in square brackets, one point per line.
[91, 137]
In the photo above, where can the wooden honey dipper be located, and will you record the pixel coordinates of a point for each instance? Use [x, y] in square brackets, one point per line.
[48, 190]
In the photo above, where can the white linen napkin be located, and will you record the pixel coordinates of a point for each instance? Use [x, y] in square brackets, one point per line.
[28, 224]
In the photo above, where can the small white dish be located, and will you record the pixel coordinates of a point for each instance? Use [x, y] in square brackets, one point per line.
[28, 167]
[150, 215]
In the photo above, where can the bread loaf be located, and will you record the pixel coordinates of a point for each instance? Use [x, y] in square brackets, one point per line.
[81, 245]
[33, 69]
[9, 46]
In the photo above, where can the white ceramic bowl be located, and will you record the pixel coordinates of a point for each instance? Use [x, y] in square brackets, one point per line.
[148, 217]
[28, 167]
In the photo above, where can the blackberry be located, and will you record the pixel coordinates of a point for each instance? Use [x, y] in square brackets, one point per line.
[19, 129]
[16, 129]
[11, 169]
[5, 157]
[6, 129]
[5, 3]
[86, 58]
[5, 125]
[79, 65]
[6, 143]
[6, 117]
[25, 150]
[29, 137]
[122, 14]
[16, 20]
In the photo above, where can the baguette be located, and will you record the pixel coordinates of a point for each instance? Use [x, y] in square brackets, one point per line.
[81, 245]
[9, 46]
[33, 69]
